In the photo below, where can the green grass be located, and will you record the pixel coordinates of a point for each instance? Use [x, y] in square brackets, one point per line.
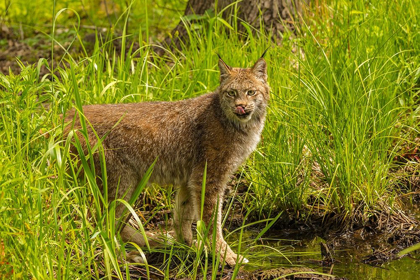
[156, 17]
[344, 106]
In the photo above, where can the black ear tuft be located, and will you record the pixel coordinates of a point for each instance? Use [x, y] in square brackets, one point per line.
[260, 69]
[224, 69]
[265, 52]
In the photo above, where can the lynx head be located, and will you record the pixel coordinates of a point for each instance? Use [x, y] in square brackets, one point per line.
[244, 92]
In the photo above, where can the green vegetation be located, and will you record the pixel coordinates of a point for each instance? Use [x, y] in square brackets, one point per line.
[348, 106]
[345, 104]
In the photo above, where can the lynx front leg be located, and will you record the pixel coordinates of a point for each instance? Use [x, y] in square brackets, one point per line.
[184, 215]
[213, 199]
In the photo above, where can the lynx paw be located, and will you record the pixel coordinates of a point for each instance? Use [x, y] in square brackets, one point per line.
[134, 257]
[229, 256]
[198, 244]
[233, 259]
[169, 239]
[160, 239]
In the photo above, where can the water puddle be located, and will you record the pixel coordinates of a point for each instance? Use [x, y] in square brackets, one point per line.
[271, 253]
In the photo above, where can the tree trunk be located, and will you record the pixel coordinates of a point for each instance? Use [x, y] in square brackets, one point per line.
[274, 15]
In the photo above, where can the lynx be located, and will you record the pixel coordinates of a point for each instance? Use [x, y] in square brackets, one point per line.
[218, 130]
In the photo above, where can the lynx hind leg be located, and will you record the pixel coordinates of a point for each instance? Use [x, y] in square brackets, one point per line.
[129, 234]
[184, 215]
[123, 187]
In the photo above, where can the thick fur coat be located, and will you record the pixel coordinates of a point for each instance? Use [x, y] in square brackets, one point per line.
[219, 129]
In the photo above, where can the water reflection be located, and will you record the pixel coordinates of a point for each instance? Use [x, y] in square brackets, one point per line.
[272, 252]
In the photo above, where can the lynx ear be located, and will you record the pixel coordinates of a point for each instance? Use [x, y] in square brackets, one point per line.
[260, 69]
[224, 69]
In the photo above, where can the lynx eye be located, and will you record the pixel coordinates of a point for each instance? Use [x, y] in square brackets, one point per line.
[251, 92]
[231, 93]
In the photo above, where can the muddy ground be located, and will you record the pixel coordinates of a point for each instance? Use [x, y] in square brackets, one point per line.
[14, 47]
[372, 241]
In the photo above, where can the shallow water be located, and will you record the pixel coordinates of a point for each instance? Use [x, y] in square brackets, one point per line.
[405, 268]
[269, 253]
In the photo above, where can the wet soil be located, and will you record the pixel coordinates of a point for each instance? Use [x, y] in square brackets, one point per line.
[372, 244]
[374, 241]
[302, 273]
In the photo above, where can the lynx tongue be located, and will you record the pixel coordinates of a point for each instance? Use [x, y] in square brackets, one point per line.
[240, 110]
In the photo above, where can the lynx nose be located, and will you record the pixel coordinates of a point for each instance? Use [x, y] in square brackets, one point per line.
[240, 109]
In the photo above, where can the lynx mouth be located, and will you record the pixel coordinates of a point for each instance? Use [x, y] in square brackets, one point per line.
[243, 116]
